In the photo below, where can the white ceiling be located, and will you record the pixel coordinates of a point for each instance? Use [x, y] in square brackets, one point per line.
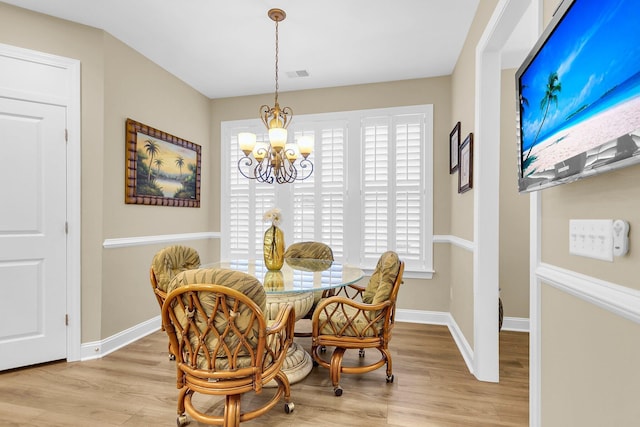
[225, 49]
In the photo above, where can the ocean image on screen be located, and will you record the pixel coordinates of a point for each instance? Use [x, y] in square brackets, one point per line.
[583, 87]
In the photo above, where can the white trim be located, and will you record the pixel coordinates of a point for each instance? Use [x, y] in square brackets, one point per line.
[454, 240]
[463, 345]
[423, 316]
[535, 256]
[98, 349]
[150, 240]
[486, 180]
[74, 215]
[71, 101]
[515, 324]
[619, 300]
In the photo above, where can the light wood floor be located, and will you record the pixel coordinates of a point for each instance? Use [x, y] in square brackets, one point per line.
[135, 386]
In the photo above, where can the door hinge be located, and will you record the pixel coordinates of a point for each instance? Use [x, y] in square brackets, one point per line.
[66, 320]
[66, 227]
[66, 135]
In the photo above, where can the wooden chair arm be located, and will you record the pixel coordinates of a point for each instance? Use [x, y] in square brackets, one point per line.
[346, 301]
[285, 320]
[344, 290]
[279, 335]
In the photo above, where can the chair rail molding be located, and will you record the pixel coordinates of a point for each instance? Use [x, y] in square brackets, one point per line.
[454, 240]
[619, 300]
[122, 242]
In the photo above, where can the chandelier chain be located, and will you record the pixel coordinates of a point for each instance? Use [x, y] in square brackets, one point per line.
[277, 85]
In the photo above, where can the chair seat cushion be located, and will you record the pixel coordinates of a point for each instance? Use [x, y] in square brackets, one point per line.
[349, 321]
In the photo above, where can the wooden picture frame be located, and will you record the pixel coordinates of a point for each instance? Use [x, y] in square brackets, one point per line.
[465, 172]
[454, 146]
[161, 169]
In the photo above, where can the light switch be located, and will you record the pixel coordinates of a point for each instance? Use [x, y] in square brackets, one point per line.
[591, 238]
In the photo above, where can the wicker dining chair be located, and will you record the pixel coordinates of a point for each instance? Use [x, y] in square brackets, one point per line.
[165, 264]
[346, 323]
[225, 346]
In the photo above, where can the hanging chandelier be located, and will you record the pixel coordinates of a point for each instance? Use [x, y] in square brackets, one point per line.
[276, 160]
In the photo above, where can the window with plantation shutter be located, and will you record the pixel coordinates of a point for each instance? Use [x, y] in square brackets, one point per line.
[370, 191]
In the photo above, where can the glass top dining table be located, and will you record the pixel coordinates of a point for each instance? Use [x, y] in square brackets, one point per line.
[295, 283]
[296, 275]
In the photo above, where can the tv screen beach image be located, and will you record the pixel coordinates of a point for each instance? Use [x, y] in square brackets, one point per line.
[583, 87]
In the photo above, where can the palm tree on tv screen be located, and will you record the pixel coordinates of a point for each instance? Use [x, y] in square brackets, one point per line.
[552, 89]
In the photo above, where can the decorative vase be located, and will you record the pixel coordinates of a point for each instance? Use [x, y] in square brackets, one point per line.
[273, 281]
[273, 248]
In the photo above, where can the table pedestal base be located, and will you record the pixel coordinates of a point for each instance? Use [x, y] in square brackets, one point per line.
[298, 363]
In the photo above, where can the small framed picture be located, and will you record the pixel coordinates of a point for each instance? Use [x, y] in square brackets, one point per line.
[454, 144]
[465, 174]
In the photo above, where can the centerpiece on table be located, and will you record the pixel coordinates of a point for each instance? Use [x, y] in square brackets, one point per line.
[273, 246]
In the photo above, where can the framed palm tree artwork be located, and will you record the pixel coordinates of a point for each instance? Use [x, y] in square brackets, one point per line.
[161, 169]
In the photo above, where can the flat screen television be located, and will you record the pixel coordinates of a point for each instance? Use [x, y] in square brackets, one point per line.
[578, 94]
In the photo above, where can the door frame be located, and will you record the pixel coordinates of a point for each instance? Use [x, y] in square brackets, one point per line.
[505, 18]
[73, 183]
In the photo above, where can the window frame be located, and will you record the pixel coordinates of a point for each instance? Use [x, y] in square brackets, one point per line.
[353, 140]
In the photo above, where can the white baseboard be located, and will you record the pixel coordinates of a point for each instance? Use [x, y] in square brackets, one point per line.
[463, 345]
[516, 324]
[98, 349]
[423, 316]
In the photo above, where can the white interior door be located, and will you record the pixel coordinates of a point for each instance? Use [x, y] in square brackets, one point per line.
[33, 260]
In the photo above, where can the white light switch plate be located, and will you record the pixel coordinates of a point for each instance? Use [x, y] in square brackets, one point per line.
[591, 238]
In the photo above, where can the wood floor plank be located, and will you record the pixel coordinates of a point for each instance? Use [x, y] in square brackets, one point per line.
[135, 386]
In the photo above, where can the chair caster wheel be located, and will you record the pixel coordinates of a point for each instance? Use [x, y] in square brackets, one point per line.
[288, 407]
[390, 378]
[172, 357]
[182, 420]
[323, 349]
[361, 352]
[315, 364]
[337, 391]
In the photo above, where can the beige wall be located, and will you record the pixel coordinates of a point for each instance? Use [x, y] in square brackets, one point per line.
[590, 374]
[461, 207]
[137, 88]
[514, 211]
